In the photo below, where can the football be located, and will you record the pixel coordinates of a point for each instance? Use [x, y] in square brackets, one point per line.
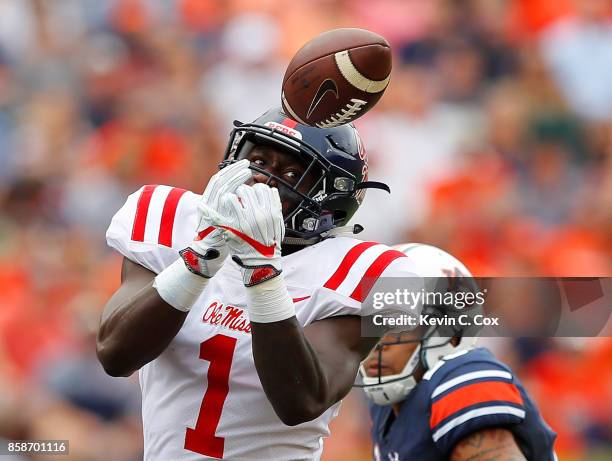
[336, 77]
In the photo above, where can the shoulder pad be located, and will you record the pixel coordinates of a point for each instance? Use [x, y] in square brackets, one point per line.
[154, 223]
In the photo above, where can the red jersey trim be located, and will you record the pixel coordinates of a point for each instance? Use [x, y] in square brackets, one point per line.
[373, 272]
[168, 214]
[345, 266]
[142, 210]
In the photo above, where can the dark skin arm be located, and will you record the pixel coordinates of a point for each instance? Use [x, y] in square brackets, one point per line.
[318, 363]
[494, 444]
[136, 325]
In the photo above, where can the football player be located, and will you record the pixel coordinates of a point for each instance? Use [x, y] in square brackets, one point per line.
[435, 396]
[247, 357]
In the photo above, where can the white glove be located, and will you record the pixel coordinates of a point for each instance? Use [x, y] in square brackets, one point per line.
[208, 251]
[252, 220]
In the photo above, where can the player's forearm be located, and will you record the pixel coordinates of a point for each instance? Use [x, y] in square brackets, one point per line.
[135, 330]
[290, 372]
[303, 371]
[492, 444]
[286, 363]
[145, 314]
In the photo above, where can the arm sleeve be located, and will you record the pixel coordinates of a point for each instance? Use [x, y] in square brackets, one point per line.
[472, 397]
[155, 223]
[348, 272]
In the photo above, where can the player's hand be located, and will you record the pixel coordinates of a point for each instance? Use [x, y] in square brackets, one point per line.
[252, 220]
[208, 251]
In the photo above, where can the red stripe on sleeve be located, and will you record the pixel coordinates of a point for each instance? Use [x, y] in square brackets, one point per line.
[346, 264]
[470, 395]
[142, 209]
[289, 122]
[371, 275]
[168, 214]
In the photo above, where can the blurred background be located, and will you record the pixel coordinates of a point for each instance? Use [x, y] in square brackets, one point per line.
[495, 136]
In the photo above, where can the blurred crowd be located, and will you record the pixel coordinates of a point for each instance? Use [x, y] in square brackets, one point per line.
[495, 136]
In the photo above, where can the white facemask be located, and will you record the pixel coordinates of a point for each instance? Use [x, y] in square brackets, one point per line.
[391, 389]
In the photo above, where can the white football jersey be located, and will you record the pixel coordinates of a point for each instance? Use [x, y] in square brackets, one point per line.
[202, 397]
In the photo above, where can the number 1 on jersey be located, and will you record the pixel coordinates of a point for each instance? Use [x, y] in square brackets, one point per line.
[219, 351]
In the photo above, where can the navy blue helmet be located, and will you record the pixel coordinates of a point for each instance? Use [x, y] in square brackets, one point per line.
[334, 157]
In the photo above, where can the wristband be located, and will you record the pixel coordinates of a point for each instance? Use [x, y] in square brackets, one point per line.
[269, 301]
[178, 286]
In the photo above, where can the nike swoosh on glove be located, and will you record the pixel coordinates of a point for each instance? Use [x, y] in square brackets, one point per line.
[208, 251]
[252, 220]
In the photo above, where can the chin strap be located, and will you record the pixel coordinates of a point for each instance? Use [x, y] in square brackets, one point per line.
[343, 231]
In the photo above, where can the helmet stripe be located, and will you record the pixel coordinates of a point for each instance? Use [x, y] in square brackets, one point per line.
[289, 122]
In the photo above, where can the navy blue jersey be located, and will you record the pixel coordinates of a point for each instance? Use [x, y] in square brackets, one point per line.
[465, 392]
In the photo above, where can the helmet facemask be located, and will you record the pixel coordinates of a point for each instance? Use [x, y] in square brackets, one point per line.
[309, 217]
[435, 343]
[390, 389]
